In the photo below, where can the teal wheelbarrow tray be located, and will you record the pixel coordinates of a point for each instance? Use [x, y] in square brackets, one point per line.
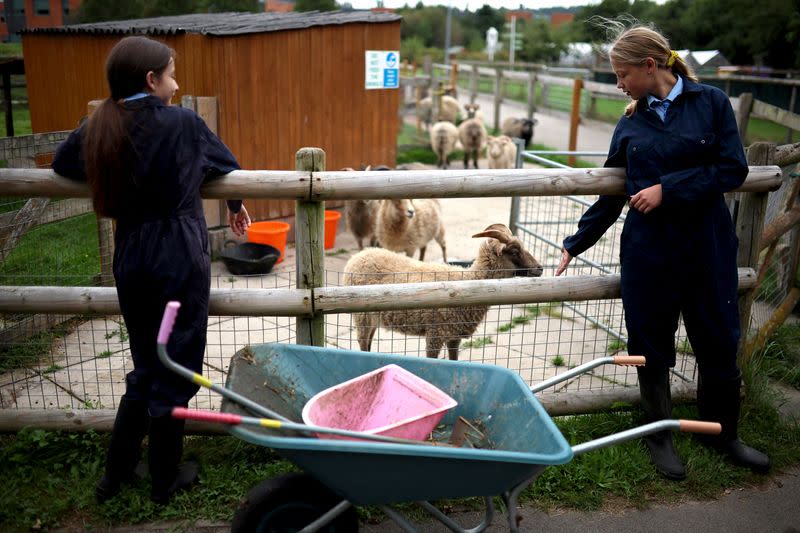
[278, 379]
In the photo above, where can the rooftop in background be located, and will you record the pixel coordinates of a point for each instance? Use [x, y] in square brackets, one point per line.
[223, 23]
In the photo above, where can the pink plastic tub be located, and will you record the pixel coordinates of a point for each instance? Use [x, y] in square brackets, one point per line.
[388, 401]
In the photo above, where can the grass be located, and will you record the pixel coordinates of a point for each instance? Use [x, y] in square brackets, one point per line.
[34, 349]
[49, 476]
[615, 346]
[62, 253]
[781, 357]
[477, 342]
[557, 361]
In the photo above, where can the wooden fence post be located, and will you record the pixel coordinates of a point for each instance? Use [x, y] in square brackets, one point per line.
[745, 107]
[792, 101]
[498, 96]
[575, 119]
[309, 240]
[531, 94]
[454, 78]
[473, 84]
[749, 226]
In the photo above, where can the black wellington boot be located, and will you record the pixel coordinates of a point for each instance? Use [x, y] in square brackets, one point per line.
[166, 449]
[721, 402]
[657, 405]
[125, 449]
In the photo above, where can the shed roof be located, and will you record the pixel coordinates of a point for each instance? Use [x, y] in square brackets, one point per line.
[222, 23]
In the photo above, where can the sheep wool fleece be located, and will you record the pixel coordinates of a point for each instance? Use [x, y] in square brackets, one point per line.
[680, 257]
[161, 241]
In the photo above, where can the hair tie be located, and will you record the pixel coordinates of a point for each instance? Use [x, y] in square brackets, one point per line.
[673, 56]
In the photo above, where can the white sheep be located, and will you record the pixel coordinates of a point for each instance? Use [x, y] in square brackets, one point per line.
[448, 110]
[472, 134]
[444, 136]
[501, 152]
[408, 225]
[474, 111]
[500, 256]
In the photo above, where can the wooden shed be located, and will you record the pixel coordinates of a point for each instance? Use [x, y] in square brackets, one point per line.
[282, 81]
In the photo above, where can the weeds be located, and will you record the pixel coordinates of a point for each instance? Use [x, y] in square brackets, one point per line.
[478, 342]
[616, 345]
[557, 361]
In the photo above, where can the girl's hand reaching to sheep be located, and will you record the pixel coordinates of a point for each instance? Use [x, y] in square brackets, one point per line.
[647, 199]
[565, 259]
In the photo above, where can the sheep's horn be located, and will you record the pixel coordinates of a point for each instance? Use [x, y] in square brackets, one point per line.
[496, 231]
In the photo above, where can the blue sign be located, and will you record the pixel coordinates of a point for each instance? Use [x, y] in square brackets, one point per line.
[390, 78]
[391, 60]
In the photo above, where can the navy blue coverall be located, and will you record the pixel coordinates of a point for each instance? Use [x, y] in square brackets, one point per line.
[680, 257]
[161, 242]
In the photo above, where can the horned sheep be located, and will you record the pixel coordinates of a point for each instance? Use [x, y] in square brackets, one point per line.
[409, 225]
[472, 134]
[500, 256]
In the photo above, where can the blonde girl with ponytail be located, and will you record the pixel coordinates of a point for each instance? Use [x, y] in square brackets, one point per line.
[679, 145]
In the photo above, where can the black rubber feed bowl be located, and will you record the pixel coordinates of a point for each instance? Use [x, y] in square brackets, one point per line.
[249, 258]
[466, 263]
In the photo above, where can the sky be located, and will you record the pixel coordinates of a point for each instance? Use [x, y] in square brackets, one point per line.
[472, 5]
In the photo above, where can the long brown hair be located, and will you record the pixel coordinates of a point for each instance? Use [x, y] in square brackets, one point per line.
[107, 146]
[632, 43]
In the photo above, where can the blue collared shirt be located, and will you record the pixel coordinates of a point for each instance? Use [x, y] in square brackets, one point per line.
[660, 106]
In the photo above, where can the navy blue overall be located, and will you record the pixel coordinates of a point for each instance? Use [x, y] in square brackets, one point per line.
[680, 257]
[161, 242]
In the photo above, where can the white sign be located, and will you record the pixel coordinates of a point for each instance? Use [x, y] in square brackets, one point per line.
[382, 69]
[491, 42]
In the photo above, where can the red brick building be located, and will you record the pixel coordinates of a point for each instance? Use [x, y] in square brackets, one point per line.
[20, 14]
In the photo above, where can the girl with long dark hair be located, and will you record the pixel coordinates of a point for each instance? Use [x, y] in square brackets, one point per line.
[145, 162]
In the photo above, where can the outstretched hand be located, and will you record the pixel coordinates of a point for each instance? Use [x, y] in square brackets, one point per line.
[239, 222]
[565, 260]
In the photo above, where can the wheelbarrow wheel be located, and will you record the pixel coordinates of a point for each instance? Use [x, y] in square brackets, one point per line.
[287, 504]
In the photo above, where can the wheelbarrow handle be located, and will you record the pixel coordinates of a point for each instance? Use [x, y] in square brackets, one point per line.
[630, 360]
[691, 426]
[699, 426]
[624, 360]
[234, 420]
[168, 321]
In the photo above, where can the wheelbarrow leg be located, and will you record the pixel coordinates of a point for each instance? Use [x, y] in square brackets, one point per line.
[512, 499]
[406, 526]
[327, 518]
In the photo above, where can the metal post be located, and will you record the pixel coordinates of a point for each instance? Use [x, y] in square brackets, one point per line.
[513, 219]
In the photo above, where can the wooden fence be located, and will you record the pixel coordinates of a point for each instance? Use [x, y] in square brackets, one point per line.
[310, 186]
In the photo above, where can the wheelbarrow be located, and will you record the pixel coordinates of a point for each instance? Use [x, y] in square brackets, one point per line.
[276, 380]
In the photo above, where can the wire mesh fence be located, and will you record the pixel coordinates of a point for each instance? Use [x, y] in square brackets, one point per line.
[81, 361]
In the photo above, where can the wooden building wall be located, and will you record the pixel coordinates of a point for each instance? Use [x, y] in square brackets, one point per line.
[277, 92]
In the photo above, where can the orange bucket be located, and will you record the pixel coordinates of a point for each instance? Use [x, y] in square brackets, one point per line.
[331, 222]
[272, 232]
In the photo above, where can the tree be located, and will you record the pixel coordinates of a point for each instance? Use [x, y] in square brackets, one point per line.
[540, 43]
[315, 5]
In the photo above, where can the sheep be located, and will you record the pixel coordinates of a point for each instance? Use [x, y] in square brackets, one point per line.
[408, 225]
[474, 111]
[444, 136]
[360, 215]
[501, 152]
[500, 256]
[472, 134]
[448, 110]
[522, 128]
